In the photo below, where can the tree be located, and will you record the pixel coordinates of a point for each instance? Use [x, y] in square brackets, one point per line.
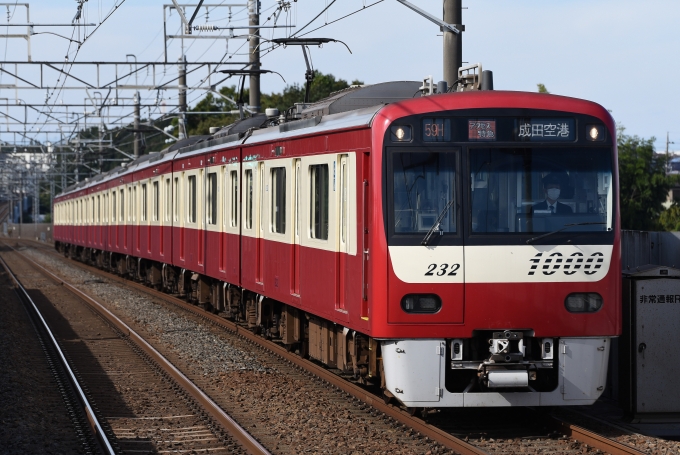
[669, 220]
[643, 182]
[542, 89]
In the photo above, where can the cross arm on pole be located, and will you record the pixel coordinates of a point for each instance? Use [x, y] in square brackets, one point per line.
[450, 27]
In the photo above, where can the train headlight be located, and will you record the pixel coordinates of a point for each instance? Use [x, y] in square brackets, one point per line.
[421, 303]
[401, 133]
[589, 302]
[595, 133]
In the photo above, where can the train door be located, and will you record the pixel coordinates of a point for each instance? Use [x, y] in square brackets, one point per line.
[365, 214]
[260, 223]
[297, 210]
[343, 231]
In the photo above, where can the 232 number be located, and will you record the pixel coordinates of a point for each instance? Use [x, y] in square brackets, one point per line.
[443, 269]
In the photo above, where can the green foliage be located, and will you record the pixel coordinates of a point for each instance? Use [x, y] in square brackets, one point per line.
[643, 182]
[322, 86]
[669, 220]
[542, 89]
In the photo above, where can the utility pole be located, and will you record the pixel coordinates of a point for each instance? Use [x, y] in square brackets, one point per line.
[254, 53]
[453, 42]
[182, 95]
[136, 125]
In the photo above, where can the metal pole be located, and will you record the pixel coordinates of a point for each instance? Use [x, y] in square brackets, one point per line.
[453, 43]
[254, 53]
[136, 143]
[21, 202]
[182, 96]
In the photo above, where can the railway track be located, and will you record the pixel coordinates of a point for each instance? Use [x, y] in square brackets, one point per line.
[38, 385]
[144, 404]
[463, 431]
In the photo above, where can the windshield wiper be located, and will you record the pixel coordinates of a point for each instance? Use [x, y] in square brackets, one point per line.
[437, 222]
[566, 226]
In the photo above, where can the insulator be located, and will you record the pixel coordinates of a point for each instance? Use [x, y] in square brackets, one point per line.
[206, 28]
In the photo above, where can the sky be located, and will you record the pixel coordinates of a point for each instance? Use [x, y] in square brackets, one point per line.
[622, 54]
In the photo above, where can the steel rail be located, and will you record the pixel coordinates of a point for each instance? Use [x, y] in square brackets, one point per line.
[571, 430]
[87, 407]
[593, 439]
[238, 432]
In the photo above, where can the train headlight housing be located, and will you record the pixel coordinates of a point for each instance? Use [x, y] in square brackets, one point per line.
[595, 133]
[421, 303]
[585, 302]
[401, 133]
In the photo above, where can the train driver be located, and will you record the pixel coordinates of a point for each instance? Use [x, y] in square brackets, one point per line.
[551, 188]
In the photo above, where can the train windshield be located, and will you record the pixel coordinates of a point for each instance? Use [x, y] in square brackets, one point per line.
[423, 191]
[540, 190]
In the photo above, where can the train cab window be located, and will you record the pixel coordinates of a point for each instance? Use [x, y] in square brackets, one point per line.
[318, 204]
[212, 198]
[233, 222]
[249, 198]
[144, 202]
[156, 200]
[525, 190]
[423, 191]
[191, 206]
[278, 200]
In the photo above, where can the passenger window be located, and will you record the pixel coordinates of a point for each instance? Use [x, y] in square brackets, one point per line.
[234, 199]
[192, 200]
[278, 202]
[144, 202]
[156, 197]
[175, 200]
[249, 198]
[212, 198]
[122, 205]
[318, 204]
[168, 199]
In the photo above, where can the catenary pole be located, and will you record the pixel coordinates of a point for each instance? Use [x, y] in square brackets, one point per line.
[453, 43]
[254, 53]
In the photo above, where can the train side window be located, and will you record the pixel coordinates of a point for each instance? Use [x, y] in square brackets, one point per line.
[234, 199]
[168, 199]
[212, 198]
[191, 208]
[156, 201]
[99, 207]
[122, 205]
[249, 198]
[114, 211]
[278, 202]
[144, 203]
[318, 204]
[175, 200]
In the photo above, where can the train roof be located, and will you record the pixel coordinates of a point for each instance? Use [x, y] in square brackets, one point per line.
[354, 107]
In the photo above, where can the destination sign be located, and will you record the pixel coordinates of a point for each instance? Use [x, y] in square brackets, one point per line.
[545, 129]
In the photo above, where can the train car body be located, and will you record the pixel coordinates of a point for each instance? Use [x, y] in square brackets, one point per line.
[419, 242]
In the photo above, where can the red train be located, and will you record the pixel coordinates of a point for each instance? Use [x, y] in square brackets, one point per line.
[459, 249]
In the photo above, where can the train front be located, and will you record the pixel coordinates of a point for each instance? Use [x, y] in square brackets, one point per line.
[501, 246]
